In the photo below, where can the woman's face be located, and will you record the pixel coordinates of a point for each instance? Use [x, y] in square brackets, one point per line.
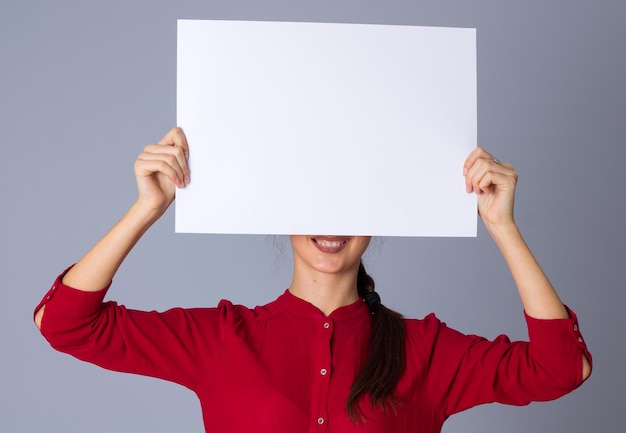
[329, 254]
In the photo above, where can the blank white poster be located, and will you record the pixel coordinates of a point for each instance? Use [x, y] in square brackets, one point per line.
[341, 129]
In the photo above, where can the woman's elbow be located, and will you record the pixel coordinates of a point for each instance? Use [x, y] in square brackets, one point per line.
[586, 368]
[39, 316]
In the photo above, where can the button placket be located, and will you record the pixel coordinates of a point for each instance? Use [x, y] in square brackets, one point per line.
[323, 362]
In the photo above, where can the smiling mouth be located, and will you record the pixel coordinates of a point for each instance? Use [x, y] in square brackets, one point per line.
[329, 244]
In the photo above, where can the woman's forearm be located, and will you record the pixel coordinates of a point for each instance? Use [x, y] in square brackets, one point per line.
[96, 269]
[539, 298]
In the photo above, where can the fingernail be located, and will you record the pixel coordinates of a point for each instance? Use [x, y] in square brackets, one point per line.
[187, 180]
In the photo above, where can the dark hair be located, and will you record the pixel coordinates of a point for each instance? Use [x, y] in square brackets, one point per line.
[385, 359]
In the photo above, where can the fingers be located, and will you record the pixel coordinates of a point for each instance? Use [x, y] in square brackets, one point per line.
[149, 163]
[168, 157]
[176, 137]
[480, 153]
[173, 150]
[482, 170]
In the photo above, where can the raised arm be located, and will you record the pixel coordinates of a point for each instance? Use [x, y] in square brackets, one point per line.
[494, 183]
[159, 169]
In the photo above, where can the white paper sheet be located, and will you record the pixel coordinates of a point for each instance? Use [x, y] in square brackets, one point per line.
[309, 128]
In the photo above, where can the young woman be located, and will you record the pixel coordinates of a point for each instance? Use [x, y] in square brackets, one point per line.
[326, 356]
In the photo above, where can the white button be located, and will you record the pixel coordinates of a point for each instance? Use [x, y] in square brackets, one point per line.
[323, 372]
[326, 325]
[320, 420]
[575, 327]
[580, 339]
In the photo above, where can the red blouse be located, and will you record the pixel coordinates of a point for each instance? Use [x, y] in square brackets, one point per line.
[285, 367]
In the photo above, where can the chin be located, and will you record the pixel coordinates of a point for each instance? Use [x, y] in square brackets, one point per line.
[329, 254]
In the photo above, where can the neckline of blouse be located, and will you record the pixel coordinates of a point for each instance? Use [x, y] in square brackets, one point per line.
[292, 303]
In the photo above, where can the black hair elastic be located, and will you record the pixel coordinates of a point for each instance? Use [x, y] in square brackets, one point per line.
[372, 299]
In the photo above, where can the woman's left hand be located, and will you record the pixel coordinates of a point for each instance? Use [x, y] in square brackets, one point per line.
[494, 183]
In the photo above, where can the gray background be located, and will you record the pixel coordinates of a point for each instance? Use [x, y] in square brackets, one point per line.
[84, 85]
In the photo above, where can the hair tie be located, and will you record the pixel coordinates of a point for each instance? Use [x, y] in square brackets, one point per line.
[372, 299]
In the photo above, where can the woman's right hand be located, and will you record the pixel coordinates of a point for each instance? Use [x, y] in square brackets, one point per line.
[160, 168]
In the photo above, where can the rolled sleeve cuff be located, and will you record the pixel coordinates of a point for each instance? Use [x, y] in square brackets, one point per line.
[65, 301]
[556, 334]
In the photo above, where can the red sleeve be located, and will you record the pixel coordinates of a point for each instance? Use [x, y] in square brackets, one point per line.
[168, 345]
[467, 370]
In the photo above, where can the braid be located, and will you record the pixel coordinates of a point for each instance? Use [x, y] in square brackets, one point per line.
[385, 359]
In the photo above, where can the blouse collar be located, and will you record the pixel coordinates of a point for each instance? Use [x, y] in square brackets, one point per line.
[292, 303]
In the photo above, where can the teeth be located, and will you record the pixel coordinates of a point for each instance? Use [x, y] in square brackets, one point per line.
[330, 244]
